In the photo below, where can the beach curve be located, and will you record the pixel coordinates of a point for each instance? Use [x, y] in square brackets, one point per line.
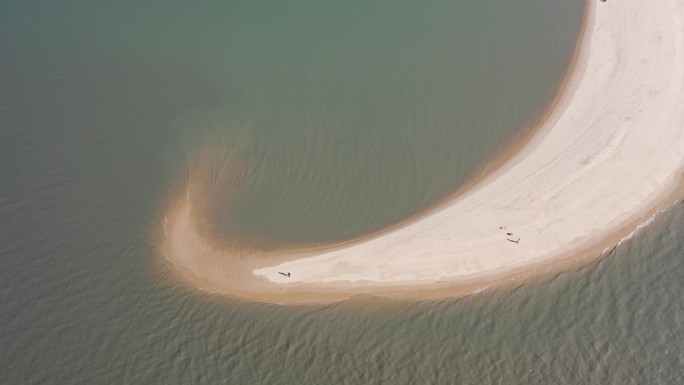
[607, 155]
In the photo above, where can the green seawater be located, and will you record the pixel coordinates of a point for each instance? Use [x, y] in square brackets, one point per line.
[349, 116]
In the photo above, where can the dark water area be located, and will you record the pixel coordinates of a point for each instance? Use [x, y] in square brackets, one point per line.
[102, 110]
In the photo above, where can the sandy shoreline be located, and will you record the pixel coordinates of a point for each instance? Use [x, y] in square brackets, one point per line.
[609, 155]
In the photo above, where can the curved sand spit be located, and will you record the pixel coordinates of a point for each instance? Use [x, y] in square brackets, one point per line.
[611, 151]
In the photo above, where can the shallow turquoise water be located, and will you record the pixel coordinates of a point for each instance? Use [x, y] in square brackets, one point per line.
[349, 117]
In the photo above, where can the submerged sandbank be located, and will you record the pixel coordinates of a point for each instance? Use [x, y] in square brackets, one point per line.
[609, 153]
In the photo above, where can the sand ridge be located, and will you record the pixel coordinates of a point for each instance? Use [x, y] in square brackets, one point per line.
[610, 151]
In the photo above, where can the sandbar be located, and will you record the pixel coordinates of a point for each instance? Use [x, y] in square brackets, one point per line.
[609, 155]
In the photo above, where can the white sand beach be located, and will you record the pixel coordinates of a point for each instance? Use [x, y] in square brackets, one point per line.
[609, 153]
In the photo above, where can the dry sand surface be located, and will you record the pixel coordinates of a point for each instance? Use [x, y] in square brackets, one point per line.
[610, 152]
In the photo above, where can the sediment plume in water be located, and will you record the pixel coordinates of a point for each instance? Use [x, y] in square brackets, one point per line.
[217, 178]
